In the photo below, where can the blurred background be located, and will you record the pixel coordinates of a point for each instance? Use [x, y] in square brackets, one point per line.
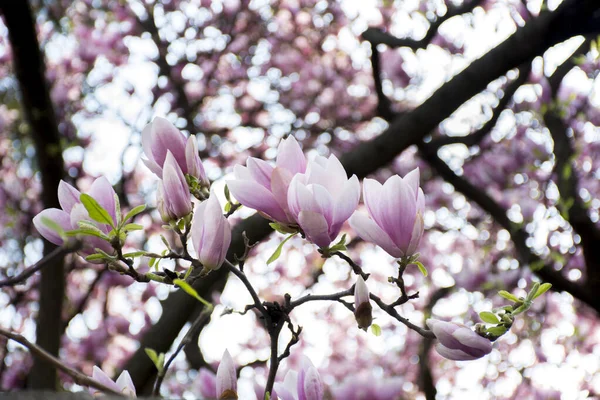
[496, 101]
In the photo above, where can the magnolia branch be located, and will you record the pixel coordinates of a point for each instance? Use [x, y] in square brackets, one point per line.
[40, 353]
[55, 254]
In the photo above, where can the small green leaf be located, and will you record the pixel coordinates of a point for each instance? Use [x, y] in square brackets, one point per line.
[151, 262]
[95, 257]
[134, 254]
[489, 317]
[88, 232]
[497, 330]
[339, 246]
[421, 267]
[157, 360]
[533, 291]
[508, 296]
[284, 229]
[55, 227]
[95, 210]
[165, 242]
[191, 291]
[227, 207]
[376, 329]
[277, 252]
[544, 287]
[227, 194]
[567, 171]
[536, 265]
[133, 212]
[132, 227]
[117, 209]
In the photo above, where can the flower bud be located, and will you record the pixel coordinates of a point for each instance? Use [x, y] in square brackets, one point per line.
[124, 384]
[363, 311]
[211, 233]
[458, 342]
[176, 192]
[226, 378]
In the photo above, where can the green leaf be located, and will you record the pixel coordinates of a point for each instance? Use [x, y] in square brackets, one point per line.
[422, 268]
[117, 209]
[376, 329]
[277, 252]
[508, 296]
[95, 210]
[134, 254]
[95, 257]
[567, 171]
[165, 242]
[283, 229]
[151, 262]
[55, 227]
[133, 212]
[497, 330]
[227, 195]
[489, 317]
[133, 227]
[191, 291]
[227, 207]
[544, 287]
[536, 265]
[339, 246]
[532, 292]
[156, 359]
[88, 232]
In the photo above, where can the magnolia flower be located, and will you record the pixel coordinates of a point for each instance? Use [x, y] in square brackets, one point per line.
[303, 385]
[72, 211]
[395, 221]
[207, 383]
[173, 194]
[160, 137]
[226, 378]
[458, 342]
[264, 187]
[211, 233]
[322, 199]
[362, 305]
[124, 384]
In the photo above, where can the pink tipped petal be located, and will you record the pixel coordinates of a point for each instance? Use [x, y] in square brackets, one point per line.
[198, 230]
[290, 156]
[60, 217]
[346, 202]
[166, 137]
[412, 179]
[208, 383]
[367, 229]
[313, 387]
[373, 198]
[226, 375]
[103, 192]
[280, 183]
[399, 203]
[260, 171]
[68, 196]
[315, 227]
[453, 354]
[152, 166]
[416, 235]
[193, 162]
[255, 196]
[242, 173]
[472, 343]
[125, 384]
[101, 377]
[176, 189]
[322, 202]
[211, 233]
[420, 201]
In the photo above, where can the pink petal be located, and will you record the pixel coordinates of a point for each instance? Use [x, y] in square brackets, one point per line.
[315, 227]
[255, 196]
[68, 196]
[260, 171]
[100, 376]
[345, 203]
[166, 137]
[412, 179]
[56, 215]
[125, 383]
[176, 189]
[361, 292]
[226, 375]
[193, 162]
[103, 192]
[399, 203]
[453, 354]
[367, 229]
[290, 156]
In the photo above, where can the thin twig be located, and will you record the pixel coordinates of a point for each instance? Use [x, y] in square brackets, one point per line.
[355, 267]
[198, 323]
[56, 253]
[393, 313]
[77, 376]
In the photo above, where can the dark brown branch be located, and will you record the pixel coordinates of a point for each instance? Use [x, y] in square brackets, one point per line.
[56, 364]
[476, 137]
[377, 36]
[58, 252]
[518, 234]
[30, 70]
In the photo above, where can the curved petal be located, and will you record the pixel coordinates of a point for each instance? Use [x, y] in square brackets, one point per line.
[152, 166]
[60, 217]
[208, 383]
[361, 292]
[412, 179]
[416, 235]
[198, 227]
[312, 386]
[472, 343]
[346, 202]
[226, 376]
[176, 189]
[260, 171]
[100, 376]
[280, 183]
[253, 195]
[367, 229]
[166, 137]
[216, 236]
[68, 196]
[193, 162]
[373, 198]
[453, 354]
[399, 203]
[125, 384]
[290, 156]
[315, 227]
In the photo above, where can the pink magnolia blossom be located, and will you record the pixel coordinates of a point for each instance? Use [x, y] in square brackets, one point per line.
[395, 221]
[458, 342]
[124, 384]
[305, 384]
[173, 195]
[211, 233]
[72, 211]
[159, 138]
[322, 199]
[264, 187]
[226, 378]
